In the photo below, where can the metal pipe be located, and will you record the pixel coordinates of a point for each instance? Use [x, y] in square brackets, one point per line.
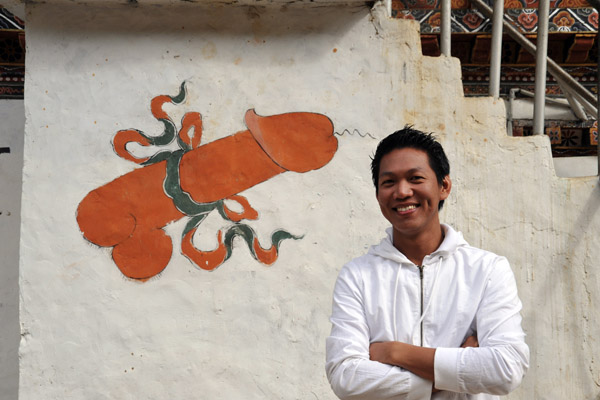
[446, 28]
[388, 7]
[560, 102]
[539, 105]
[509, 113]
[496, 60]
[554, 69]
[573, 103]
[527, 93]
[586, 106]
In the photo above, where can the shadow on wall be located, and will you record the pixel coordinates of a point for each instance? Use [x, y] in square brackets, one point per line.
[12, 115]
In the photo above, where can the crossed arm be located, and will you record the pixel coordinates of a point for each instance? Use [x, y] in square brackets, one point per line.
[418, 360]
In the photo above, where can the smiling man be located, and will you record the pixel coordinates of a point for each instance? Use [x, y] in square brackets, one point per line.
[423, 314]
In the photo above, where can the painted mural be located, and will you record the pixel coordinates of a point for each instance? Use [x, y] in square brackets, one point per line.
[130, 212]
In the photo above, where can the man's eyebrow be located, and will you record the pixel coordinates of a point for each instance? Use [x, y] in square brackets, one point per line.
[386, 173]
[410, 171]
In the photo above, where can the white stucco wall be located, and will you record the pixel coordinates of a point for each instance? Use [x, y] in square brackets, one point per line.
[11, 167]
[245, 330]
[570, 167]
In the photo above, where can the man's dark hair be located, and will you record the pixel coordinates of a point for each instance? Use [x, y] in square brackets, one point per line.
[415, 139]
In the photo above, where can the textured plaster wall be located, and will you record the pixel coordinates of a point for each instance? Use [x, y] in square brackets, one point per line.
[570, 167]
[245, 330]
[11, 167]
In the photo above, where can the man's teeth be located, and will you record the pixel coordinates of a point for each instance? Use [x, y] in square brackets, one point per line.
[406, 208]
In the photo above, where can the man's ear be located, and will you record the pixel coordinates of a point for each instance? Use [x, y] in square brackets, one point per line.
[445, 188]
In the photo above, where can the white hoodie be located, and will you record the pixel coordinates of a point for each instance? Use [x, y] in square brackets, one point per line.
[459, 291]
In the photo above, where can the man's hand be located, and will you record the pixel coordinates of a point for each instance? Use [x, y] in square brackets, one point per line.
[416, 359]
[386, 352]
[471, 341]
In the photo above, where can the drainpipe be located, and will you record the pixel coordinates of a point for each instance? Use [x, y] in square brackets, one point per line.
[495, 62]
[540, 67]
[446, 28]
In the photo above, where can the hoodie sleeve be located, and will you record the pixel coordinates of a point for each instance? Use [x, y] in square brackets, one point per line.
[498, 365]
[351, 373]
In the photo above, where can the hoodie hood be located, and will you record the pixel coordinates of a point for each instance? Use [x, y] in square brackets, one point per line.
[452, 241]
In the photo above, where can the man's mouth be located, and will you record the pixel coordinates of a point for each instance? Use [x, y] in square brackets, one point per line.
[406, 208]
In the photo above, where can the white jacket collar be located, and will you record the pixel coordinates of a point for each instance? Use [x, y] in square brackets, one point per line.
[386, 249]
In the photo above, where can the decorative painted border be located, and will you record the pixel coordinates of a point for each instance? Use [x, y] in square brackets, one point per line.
[526, 19]
[465, 4]
[566, 140]
[12, 82]
[476, 80]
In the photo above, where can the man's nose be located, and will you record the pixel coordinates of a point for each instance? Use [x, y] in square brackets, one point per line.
[403, 190]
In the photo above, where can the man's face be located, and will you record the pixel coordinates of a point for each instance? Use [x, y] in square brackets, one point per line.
[409, 193]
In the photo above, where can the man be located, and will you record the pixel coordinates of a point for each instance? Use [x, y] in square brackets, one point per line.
[423, 314]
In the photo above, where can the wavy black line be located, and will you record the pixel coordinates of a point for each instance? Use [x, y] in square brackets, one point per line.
[354, 131]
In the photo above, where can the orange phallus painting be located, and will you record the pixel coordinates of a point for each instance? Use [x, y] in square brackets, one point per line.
[130, 212]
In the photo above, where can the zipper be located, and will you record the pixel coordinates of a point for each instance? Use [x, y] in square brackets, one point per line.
[421, 313]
